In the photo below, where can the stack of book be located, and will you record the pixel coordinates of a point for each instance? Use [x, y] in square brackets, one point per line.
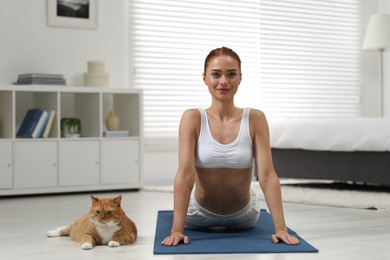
[119, 133]
[40, 78]
[36, 123]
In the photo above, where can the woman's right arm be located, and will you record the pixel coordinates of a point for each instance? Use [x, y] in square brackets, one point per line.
[185, 176]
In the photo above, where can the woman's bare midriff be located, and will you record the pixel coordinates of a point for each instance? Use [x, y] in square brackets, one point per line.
[223, 191]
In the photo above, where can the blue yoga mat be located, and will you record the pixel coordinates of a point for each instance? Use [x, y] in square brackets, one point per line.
[254, 240]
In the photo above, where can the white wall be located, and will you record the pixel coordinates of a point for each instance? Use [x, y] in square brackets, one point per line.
[27, 45]
[160, 167]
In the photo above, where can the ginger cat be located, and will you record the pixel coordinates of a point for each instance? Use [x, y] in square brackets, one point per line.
[105, 224]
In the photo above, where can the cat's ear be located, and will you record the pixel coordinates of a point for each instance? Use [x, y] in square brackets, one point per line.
[118, 200]
[94, 199]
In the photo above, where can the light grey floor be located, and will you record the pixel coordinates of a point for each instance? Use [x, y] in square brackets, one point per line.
[338, 233]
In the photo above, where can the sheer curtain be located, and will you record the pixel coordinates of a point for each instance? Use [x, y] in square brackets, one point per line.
[299, 58]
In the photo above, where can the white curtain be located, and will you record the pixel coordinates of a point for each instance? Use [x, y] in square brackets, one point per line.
[300, 58]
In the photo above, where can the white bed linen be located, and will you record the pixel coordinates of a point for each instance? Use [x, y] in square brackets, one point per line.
[336, 134]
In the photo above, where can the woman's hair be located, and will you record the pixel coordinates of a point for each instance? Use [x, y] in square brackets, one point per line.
[222, 51]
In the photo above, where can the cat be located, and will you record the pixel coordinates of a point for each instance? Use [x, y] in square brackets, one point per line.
[105, 224]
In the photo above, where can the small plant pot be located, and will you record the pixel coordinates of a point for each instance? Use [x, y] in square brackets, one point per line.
[70, 127]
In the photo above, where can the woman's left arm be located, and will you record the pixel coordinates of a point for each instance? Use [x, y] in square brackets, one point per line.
[268, 179]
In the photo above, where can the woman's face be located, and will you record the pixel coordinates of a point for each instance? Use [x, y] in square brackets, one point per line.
[222, 76]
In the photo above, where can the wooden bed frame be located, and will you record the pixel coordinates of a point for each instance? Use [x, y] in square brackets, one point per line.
[366, 167]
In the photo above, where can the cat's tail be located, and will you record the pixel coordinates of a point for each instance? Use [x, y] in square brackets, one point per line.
[59, 232]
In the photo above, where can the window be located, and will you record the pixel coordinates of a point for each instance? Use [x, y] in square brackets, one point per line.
[299, 58]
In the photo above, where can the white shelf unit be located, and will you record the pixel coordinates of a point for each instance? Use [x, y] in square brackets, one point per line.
[57, 164]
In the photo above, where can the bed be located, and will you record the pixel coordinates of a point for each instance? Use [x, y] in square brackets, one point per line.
[342, 149]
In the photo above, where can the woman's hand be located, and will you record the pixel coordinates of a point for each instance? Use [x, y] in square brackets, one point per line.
[285, 237]
[174, 239]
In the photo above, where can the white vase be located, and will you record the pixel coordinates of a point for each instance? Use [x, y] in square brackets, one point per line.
[97, 75]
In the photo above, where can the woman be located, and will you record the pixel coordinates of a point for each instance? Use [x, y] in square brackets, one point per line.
[217, 147]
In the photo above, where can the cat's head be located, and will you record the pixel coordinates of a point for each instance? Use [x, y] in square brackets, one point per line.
[106, 211]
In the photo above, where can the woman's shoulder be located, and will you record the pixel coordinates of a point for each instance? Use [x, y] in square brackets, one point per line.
[257, 119]
[191, 114]
[256, 113]
[190, 120]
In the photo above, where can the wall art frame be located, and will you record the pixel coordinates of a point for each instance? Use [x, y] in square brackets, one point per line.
[77, 14]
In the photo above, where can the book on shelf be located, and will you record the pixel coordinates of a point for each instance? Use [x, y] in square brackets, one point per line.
[40, 78]
[49, 124]
[29, 123]
[36, 123]
[119, 133]
[41, 124]
[41, 81]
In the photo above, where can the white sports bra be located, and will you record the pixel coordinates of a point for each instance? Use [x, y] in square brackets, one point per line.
[212, 154]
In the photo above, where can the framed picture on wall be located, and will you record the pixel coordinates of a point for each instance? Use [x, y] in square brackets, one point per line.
[79, 14]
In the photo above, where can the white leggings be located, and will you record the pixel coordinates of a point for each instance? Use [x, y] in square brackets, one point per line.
[200, 218]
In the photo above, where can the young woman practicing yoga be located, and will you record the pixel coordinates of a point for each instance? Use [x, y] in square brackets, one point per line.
[217, 150]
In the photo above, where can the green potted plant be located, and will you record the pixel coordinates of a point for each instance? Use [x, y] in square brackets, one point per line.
[70, 127]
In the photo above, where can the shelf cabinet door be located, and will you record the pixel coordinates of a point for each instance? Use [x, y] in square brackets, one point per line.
[120, 162]
[6, 165]
[35, 164]
[79, 163]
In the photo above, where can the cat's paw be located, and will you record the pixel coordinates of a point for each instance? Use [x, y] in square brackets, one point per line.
[113, 244]
[55, 232]
[86, 246]
[52, 233]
